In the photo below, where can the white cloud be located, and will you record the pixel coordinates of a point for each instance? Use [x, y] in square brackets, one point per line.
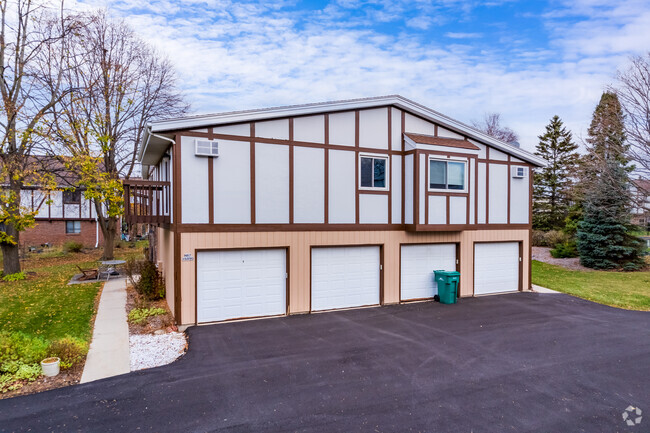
[232, 56]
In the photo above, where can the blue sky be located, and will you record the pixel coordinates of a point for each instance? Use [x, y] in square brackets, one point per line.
[526, 60]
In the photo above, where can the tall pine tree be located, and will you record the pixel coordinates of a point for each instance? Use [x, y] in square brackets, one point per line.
[552, 190]
[604, 239]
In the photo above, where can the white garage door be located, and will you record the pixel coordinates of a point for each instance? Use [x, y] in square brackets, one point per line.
[240, 283]
[496, 267]
[344, 277]
[417, 265]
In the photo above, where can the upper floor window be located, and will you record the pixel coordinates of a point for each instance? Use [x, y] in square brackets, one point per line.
[372, 172]
[447, 175]
[72, 197]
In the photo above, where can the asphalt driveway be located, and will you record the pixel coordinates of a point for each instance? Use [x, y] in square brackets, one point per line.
[519, 362]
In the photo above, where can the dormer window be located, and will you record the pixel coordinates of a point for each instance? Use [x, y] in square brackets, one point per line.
[372, 172]
[447, 175]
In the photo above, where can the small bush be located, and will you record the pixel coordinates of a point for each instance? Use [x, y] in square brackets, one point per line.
[17, 346]
[151, 283]
[73, 247]
[539, 239]
[565, 250]
[139, 315]
[18, 276]
[70, 350]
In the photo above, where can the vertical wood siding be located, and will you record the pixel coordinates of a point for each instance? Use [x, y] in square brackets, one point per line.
[300, 243]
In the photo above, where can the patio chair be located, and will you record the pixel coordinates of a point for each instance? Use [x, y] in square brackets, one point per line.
[88, 274]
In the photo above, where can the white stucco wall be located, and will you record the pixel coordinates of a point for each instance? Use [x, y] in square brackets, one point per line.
[231, 177]
[308, 185]
[342, 189]
[271, 183]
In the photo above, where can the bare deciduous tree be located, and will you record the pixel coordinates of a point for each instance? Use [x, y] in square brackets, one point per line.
[33, 41]
[123, 84]
[491, 125]
[633, 91]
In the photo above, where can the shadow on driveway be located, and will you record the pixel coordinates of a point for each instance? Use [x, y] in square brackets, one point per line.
[518, 362]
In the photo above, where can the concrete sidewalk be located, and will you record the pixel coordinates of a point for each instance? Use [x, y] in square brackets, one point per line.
[540, 289]
[109, 350]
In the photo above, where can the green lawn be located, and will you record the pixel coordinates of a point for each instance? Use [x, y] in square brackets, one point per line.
[630, 290]
[44, 305]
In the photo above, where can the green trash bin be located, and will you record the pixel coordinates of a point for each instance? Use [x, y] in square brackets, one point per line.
[447, 286]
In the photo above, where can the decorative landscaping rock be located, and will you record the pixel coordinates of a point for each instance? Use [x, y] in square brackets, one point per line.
[150, 350]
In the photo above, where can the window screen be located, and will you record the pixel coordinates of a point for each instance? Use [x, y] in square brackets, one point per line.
[372, 172]
[447, 175]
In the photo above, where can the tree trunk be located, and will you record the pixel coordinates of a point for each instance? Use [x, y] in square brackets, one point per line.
[10, 253]
[109, 232]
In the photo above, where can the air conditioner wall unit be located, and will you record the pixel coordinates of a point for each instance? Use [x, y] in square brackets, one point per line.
[519, 172]
[206, 148]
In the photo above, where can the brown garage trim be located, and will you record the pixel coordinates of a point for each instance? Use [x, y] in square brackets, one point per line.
[403, 156]
[521, 266]
[404, 301]
[291, 169]
[381, 275]
[521, 258]
[177, 277]
[196, 282]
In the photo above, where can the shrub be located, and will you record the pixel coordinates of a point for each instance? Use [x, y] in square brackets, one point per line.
[18, 276]
[565, 250]
[73, 247]
[17, 346]
[539, 239]
[151, 283]
[139, 315]
[70, 350]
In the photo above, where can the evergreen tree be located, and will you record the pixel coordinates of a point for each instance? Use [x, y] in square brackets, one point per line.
[604, 239]
[552, 186]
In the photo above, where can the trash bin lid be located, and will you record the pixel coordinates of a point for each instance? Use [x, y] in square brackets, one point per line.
[448, 273]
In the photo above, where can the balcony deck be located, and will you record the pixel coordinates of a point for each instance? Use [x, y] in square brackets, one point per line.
[147, 202]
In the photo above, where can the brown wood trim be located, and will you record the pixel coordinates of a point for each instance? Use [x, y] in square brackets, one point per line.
[356, 165]
[291, 171]
[427, 169]
[177, 278]
[381, 275]
[458, 268]
[441, 141]
[508, 188]
[521, 267]
[252, 171]
[327, 168]
[530, 259]
[476, 191]
[389, 175]
[447, 194]
[373, 192]
[210, 189]
[530, 194]
[435, 129]
[487, 190]
[416, 188]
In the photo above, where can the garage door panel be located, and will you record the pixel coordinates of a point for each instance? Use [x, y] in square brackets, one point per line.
[344, 277]
[417, 265]
[240, 283]
[496, 267]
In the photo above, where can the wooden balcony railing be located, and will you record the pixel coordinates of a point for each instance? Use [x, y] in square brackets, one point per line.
[147, 202]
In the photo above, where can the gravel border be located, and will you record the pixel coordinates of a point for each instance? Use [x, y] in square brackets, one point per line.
[151, 350]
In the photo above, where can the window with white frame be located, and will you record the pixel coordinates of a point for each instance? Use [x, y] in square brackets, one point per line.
[373, 171]
[447, 175]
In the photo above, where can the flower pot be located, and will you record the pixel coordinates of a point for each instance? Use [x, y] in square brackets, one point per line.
[50, 366]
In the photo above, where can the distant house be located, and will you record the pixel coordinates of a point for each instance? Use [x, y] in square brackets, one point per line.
[63, 214]
[333, 205]
[641, 195]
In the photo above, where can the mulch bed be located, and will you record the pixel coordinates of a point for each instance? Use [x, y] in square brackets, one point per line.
[163, 322]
